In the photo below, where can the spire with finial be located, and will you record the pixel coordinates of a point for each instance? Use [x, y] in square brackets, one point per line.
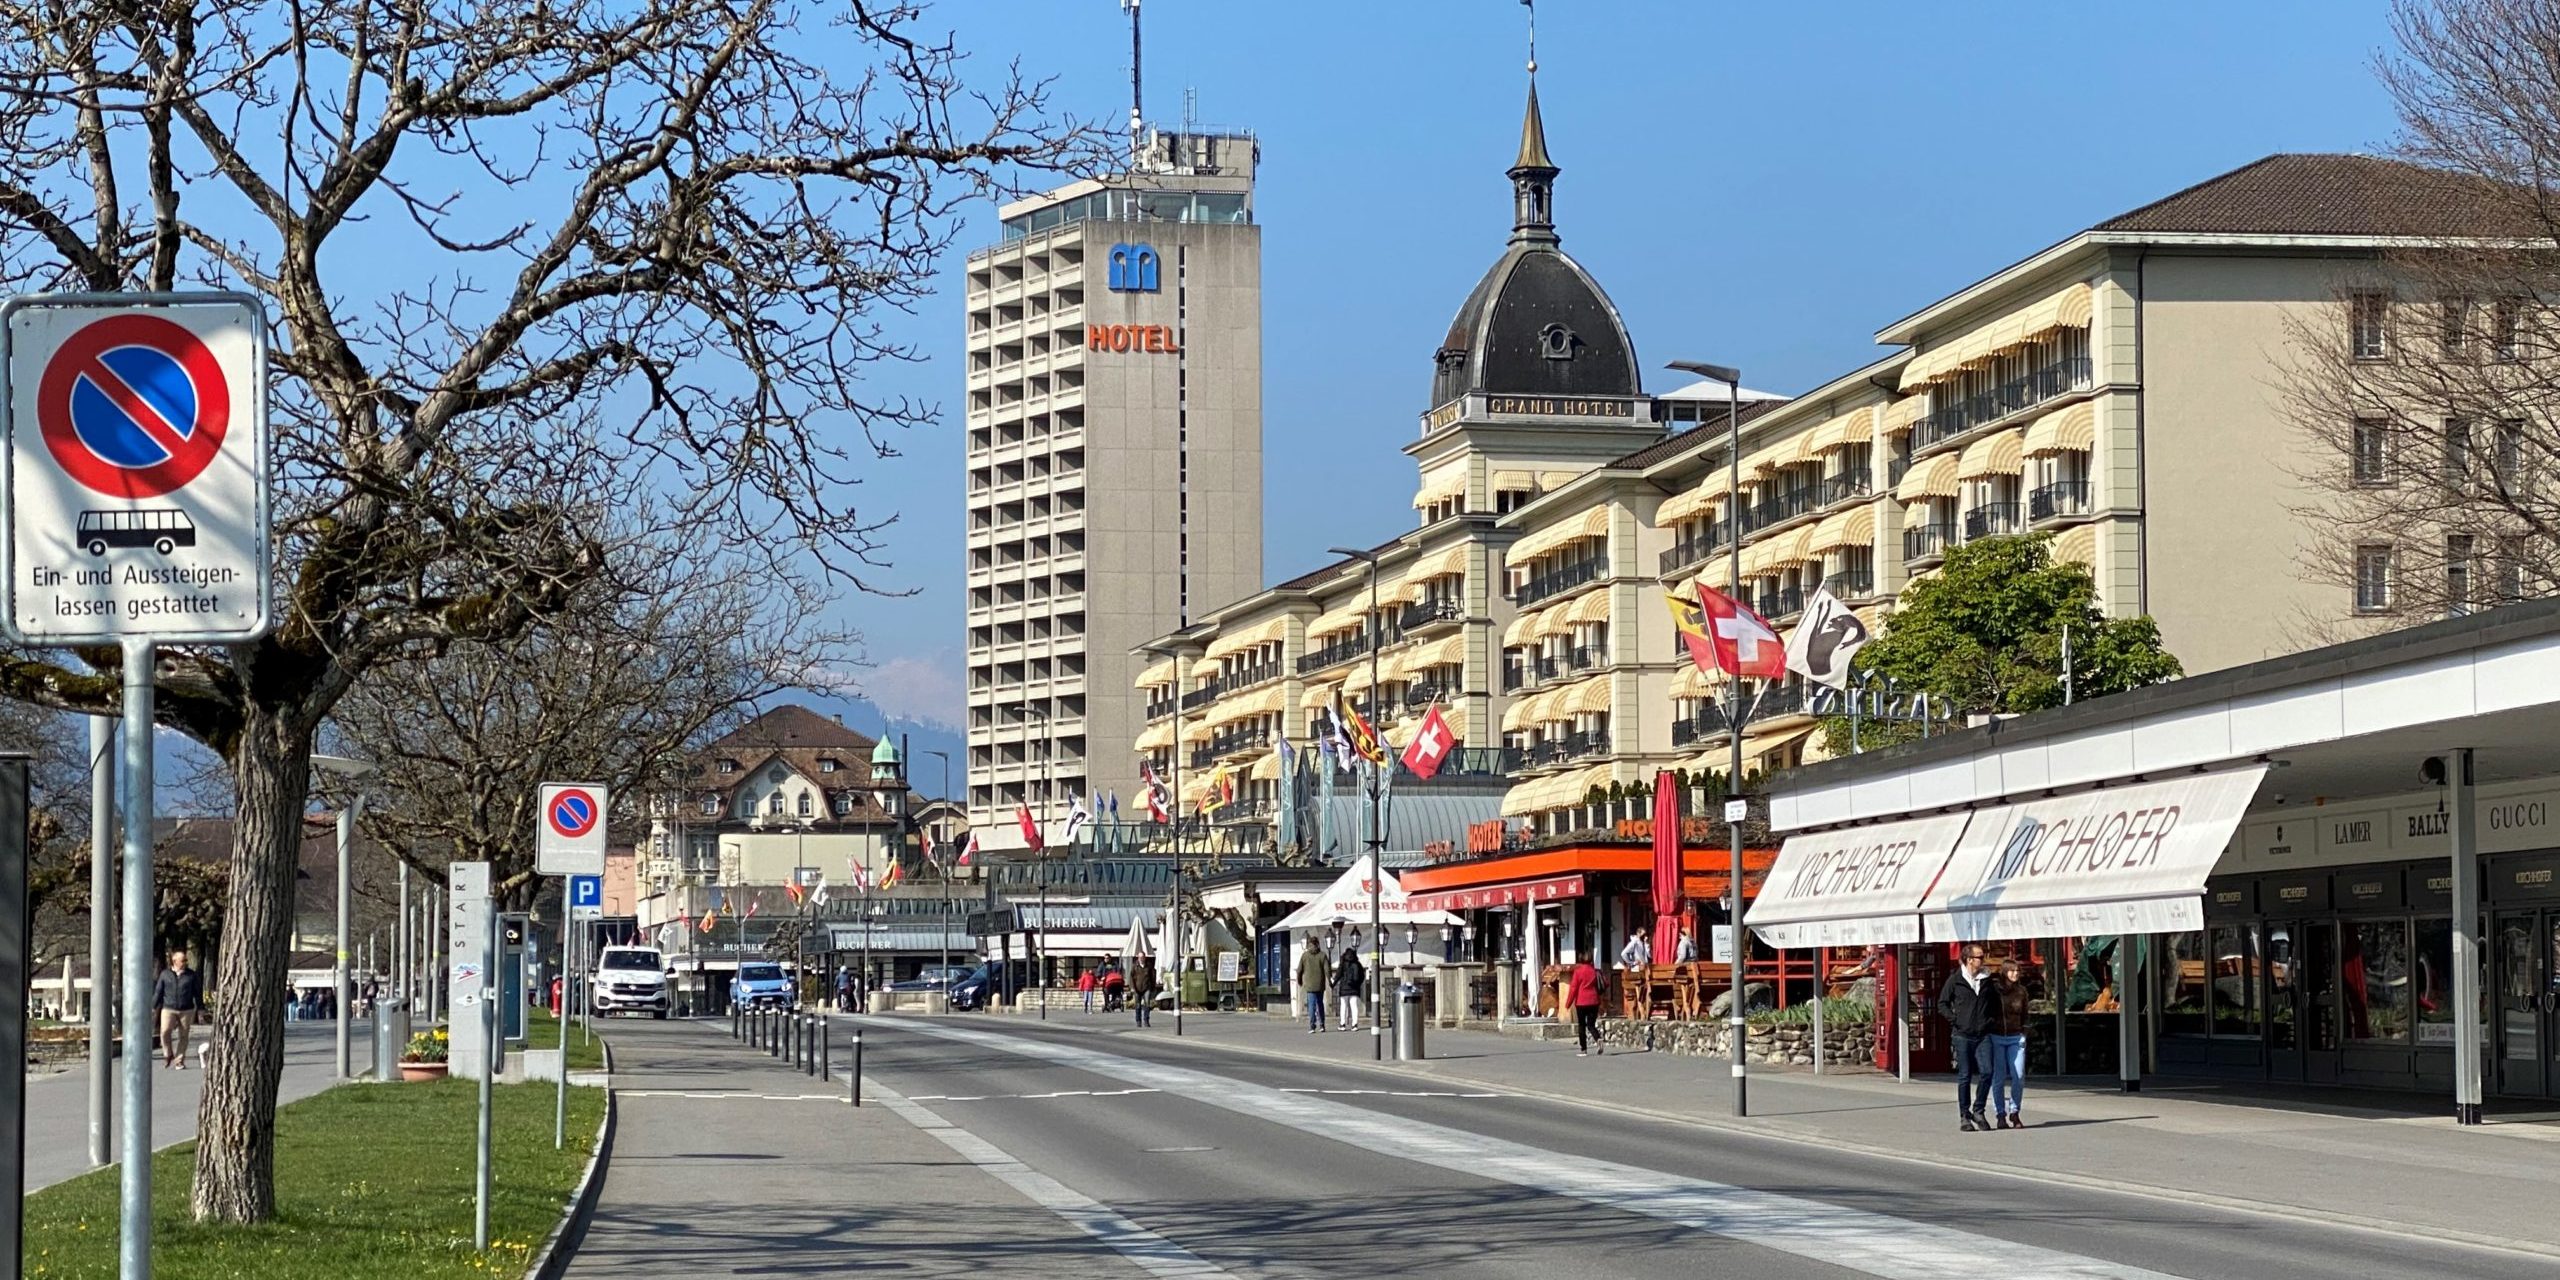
[1533, 175]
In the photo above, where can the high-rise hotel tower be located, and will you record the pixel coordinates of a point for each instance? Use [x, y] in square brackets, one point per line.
[1114, 459]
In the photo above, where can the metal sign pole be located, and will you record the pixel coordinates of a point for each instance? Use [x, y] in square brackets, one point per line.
[13, 1012]
[488, 1011]
[344, 1006]
[560, 1094]
[102, 915]
[133, 1233]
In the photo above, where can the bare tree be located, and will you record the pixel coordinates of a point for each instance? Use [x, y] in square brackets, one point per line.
[527, 262]
[2429, 389]
[612, 692]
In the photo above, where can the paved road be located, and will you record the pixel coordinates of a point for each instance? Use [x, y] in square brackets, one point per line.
[58, 1103]
[1174, 1159]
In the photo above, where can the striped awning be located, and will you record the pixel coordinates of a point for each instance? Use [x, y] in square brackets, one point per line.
[1855, 527]
[1350, 617]
[1562, 791]
[1357, 679]
[1768, 457]
[1589, 608]
[1593, 523]
[1199, 730]
[1689, 682]
[1440, 486]
[1266, 767]
[1514, 482]
[1934, 478]
[1904, 414]
[1689, 504]
[1268, 700]
[1758, 747]
[1205, 668]
[1522, 629]
[1267, 631]
[1160, 674]
[2068, 308]
[1551, 622]
[2002, 454]
[2078, 544]
[1317, 697]
[1156, 737]
[1448, 562]
[1556, 479]
[1591, 697]
[1841, 432]
[2073, 427]
[1447, 651]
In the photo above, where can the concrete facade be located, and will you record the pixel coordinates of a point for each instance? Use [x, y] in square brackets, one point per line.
[1115, 459]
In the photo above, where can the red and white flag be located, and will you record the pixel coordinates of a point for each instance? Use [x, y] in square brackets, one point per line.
[1030, 828]
[1745, 643]
[970, 852]
[1431, 745]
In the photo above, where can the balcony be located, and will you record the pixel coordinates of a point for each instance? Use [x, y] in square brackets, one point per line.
[2057, 500]
[1778, 508]
[1857, 483]
[1421, 695]
[1896, 470]
[1583, 657]
[1425, 613]
[1544, 668]
[1990, 520]
[2053, 381]
[1692, 551]
[1203, 696]
[1557, 581]
[1514, 675]
[1785, 602]
[1850, 584]
[1709, 722]
[1248, 677]
[1159, 708]
[1335, 654]
[1926, 542]
[1784, 700]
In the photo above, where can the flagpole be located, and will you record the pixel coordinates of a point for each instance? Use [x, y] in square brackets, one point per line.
[1736, 1031]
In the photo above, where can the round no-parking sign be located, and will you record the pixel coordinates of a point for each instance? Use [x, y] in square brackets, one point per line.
[133, 406]
[572, 813]
[568, 834]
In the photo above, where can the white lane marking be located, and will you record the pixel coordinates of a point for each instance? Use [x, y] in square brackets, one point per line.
[1880, 1245]
[733, 1097]
[1154, 1253]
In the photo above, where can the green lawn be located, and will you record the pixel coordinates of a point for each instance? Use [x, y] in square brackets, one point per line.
[586, 1051]
[371, 1181]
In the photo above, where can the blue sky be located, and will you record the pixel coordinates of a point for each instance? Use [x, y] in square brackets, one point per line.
[1763, 185]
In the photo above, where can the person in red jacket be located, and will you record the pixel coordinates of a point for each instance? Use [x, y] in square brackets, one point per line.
[1583, 988]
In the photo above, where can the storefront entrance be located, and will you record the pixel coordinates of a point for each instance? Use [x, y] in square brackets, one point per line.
[2524, 996]
[2302, 1001]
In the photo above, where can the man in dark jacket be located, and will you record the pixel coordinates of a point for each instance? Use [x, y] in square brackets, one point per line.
[177, 994]
[1350, 979]
[1969, 1005]
[1314, 976]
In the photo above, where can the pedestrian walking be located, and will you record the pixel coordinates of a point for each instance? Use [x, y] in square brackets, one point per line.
[1583, 989]
[177, 995]
[1114, 983]
[1085, 983]
[1350, 978]
[1967, 1001]
[1637, 953]
[1142, 992]
[844, 987]
[2012, 992]
[1313, 975]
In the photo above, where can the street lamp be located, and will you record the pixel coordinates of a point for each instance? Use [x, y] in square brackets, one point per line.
[889, 790]
[1377, 814]
[1048, 798]
[945, 865]
[1174, 811]
[351, 770]
[1732, 380]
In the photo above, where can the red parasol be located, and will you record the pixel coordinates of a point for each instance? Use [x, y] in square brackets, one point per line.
[1666, 867]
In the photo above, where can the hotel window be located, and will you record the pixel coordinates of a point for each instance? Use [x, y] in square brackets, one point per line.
[804, 804]
[2457, 452]
[2372, 451]
[2369, 326]
[774, 805]
[2456, 330]
[2510, 456]
[2373, 579]
[2457, 574]
[844, 803]
[2505, 318]
[2510, 570]
[711, 806]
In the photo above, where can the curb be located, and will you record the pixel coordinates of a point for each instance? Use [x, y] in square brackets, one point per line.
[2227, 1204]
[561, 1246]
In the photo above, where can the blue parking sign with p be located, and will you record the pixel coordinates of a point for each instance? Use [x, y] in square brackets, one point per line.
[586, 893]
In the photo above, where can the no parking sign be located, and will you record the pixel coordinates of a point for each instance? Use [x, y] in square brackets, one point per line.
[568, 834]
[137, 468]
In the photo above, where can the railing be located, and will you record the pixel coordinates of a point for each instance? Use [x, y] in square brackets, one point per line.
[1583, 657]
[1683, 554]
[1989, 519]
[1709, 722]
[1545, 668]
[1856, 483]
[1247, 677]
[1422, 695]
[1785, 602]
[1425, 613]
[1851, 582]
[1778, 508]
[2060, 378]
[1203, 696]
[1340, 651]
[1927, 542]
[2061, 498]
[1159, 708]
[1514, 675]
[1562, 579]
[1784, 700]
[1897, 469]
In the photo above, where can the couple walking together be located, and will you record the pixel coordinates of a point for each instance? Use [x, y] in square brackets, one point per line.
[1988, 1014]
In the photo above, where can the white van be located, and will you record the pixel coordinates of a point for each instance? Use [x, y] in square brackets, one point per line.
[630, 980]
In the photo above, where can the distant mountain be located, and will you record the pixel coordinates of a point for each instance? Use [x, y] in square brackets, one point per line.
[924, 773]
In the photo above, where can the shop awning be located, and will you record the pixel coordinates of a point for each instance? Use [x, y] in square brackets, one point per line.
[2120, 860]
[1853, 887]
[1549, 889]
[1348, 899]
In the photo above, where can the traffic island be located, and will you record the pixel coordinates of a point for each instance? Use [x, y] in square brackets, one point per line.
[370, 1183]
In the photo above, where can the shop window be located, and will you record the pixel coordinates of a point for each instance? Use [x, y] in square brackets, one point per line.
[2433, 980]
[2233, 957]
[2374, 973]
[2190, 986]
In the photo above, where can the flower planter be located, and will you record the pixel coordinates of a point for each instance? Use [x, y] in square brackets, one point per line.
[422, 1070]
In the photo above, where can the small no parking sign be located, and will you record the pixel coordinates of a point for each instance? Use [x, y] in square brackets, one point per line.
[137, 476]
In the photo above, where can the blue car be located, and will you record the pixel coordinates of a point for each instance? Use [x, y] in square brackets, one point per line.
[762, 984]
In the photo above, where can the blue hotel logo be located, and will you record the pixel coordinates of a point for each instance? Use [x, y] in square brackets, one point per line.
[1133, 269]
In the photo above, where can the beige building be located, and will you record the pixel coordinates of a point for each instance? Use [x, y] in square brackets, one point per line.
[1114, 343]
[2119, 391]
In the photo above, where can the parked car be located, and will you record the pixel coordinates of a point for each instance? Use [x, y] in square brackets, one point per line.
[934, 977]
[986, 984]
[629, 980]
[763, 984]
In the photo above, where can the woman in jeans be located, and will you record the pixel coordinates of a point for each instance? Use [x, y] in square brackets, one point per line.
[2009, 996]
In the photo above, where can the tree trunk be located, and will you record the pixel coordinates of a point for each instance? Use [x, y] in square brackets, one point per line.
[236, 1126]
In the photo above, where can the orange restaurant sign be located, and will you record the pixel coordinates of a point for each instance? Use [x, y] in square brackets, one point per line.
[1154, 338]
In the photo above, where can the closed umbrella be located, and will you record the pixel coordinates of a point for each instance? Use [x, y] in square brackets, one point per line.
[1666, 866]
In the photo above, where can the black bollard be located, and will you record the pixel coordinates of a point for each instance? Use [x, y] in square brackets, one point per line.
[856, 1074]
[826, 1048]
[735, 1030]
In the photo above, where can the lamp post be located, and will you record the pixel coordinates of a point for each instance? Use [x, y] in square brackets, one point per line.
[1377, 815]
[889, 790]
[1174, 812]
[1732, 380]
[945, 865]
[349, 769]
[1048, 797]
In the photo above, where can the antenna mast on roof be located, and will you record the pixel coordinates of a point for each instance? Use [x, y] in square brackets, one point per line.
[1532, 7]
[1137, 93]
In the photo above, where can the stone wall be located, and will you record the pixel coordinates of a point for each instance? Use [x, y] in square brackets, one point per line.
[1789, 1043]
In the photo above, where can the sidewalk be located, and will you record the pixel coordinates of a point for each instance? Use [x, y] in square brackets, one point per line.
[57, 1140]
[2388, 1161]
[730, 1163]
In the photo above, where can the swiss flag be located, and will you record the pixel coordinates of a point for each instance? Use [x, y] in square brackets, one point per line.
[1431, 745]
[1746, 645]
[1030, 828]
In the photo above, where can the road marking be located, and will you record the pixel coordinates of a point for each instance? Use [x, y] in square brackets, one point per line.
[1012, 1097]
[1874, 1243]
[1154, 1253]
[733, 1097]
